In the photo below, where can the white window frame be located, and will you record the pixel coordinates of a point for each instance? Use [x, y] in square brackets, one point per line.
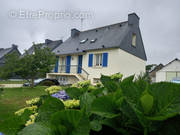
[100, 60]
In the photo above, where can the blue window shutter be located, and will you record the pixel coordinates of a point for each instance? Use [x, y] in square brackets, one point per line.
[105, 59]
[90, 64]
[68, 64]
[57, 65]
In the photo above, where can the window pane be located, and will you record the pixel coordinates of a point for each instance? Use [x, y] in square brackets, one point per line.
[134, 39]
[178, 74]
[170, 76]
[97, 59]
[100, 59]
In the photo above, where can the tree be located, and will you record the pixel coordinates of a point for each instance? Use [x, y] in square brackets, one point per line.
[30, 66]
[11, 63]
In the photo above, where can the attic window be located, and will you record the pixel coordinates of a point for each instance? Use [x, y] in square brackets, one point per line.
[83, 41]
[134, 39]
[93, 40]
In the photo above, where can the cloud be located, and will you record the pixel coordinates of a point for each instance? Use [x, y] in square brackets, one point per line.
[159, 23]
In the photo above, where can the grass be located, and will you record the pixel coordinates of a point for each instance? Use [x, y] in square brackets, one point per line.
[12, 82]
[13, 99]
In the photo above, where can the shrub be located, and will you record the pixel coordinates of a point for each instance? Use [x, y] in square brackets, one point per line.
[33, 101]
[116, 76]
[82, 84]
[33, 109]
[53, 89]
[1, 91]
[70, 104]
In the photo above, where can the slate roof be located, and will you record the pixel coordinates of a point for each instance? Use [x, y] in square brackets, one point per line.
[111, 36]
[50, 44]
[4, 51]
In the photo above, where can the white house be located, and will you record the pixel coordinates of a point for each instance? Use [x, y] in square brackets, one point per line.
[106, 50]
[169, 71]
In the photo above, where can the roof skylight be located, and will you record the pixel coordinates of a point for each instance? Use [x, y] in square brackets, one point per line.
[93, 40]
[83, 41]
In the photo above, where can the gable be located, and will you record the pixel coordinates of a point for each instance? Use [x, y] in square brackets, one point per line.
[127, 46]
[172, 66]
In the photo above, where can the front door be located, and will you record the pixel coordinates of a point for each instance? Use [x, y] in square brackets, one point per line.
[80, 57]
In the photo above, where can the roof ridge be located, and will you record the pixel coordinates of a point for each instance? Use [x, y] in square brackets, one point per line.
[104, 26]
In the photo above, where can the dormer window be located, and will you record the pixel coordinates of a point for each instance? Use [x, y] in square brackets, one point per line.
[134, 39]
[83, 41]
[93, 40]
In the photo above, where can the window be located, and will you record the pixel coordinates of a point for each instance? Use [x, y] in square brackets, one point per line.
[171, 75]
[134, 39]
[62, 64]
[83, 41]
[98, 60]
[93, 40]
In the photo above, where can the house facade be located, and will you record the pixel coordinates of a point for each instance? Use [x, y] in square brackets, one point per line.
[107, 50]
[155, 69]
[169, 71]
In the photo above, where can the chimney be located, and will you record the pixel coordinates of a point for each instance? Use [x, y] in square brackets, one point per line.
[47, 41]
[60, 41]
[74, 32]
[133, 19]
[14, 46]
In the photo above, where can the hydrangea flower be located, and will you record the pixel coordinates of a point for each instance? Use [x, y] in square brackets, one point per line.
[61, 95]
[1, 133]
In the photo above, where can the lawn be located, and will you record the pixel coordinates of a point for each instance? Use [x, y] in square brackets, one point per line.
[13, 99]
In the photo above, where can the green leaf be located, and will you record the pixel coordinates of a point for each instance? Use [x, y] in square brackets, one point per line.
[85, 102]
[50, 106]
[166, 100]
[105, 106]
[109, 83]
[147, 102]
[95, 125]
[74, 121]
[74, 92]
[36, 129]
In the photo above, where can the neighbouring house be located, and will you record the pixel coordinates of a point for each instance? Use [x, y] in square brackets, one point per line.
[6, 51]
[169, 71]
[52, 45]
[152, 72]
[107, 50]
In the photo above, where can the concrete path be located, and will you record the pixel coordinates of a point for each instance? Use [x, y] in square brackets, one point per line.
[11, 85]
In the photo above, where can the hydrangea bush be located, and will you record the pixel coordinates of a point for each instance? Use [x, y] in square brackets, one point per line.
[53, 89]
[33, 109]
[61, 95]
[118, 107]
[33, 101]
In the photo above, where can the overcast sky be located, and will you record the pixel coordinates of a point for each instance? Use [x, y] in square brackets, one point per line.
[159, 22]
